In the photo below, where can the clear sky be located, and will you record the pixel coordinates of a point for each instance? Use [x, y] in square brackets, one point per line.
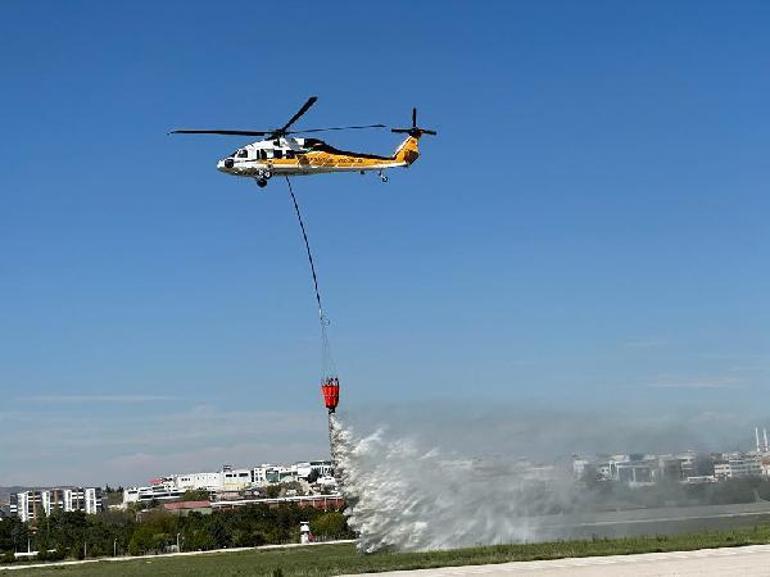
[588, 231]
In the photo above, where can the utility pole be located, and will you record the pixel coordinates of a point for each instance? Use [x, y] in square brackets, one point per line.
[115, 547]
[178, 549]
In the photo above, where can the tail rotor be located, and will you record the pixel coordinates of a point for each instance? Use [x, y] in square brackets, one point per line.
[415, 130]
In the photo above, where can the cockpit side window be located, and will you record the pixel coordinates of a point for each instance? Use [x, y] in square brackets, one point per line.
[262, 154]
[278, 153]
[243, 153]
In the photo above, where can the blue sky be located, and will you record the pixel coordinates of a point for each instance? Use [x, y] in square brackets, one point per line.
[588, 230]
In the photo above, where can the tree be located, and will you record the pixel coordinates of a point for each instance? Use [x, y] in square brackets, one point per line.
[198, 539]
[295, 487]
[195, 495]
[13, 535]
[331, 525]
[273, 491]
[313, 476]
[8, 557]
[142, 541]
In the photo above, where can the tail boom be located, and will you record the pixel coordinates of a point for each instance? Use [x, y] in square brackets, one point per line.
[408, 151]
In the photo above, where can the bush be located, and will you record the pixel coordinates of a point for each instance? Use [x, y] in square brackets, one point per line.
[332, 525]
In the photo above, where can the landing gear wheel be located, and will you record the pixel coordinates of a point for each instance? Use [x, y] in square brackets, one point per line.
[261, 182]
[267, 174]
[383, 178]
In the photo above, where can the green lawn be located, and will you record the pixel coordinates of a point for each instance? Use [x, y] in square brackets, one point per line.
[340, 559]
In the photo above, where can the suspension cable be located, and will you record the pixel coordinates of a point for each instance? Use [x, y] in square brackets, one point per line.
[328, 365]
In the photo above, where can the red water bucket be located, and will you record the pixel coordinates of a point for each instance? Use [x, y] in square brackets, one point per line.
[330, 388]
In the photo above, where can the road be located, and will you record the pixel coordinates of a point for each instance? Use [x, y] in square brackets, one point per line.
[655, 521]
[751, 561]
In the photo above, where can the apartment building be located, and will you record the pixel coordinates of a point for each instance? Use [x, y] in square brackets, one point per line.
[28, 505]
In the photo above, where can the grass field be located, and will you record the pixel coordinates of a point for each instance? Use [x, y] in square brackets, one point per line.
[340, 559]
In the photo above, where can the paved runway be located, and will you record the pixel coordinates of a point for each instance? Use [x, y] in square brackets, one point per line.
[751, 561]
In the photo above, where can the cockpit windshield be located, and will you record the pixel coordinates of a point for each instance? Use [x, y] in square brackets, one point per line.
[242, 153]
[311, 143]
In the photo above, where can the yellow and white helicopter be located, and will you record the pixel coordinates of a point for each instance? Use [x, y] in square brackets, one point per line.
[281, 153]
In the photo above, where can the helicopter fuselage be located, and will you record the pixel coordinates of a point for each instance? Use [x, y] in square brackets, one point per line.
[302, 156]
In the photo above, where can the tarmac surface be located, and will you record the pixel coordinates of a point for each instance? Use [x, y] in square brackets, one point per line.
[750, 561]
[656, 521]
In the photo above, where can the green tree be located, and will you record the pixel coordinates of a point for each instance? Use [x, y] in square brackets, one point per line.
[195, 495]
[8, 557]
[13, 535]
[331, 525]
[141, 541]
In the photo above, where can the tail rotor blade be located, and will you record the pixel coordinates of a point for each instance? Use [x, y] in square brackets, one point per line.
[415, 130]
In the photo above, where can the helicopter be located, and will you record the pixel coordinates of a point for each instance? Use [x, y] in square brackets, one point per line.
[280, 152]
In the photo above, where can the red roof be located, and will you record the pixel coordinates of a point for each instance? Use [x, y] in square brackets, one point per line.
[180, 505]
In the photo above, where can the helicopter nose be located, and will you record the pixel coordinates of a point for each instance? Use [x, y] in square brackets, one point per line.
[225, 164]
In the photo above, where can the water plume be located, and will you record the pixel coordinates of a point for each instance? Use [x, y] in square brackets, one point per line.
[406, 497]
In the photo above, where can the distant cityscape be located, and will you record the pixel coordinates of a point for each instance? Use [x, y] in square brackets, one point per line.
[639, 470]
[308, 483]
[312, 484]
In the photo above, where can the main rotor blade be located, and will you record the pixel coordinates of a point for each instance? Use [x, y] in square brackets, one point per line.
[223, 132]
[309, 130]
[300, 112]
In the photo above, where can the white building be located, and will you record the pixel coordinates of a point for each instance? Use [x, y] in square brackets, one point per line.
[635, 474]
[197, 481]
[236, 479]
[579, 466]
[722, 470]
[27, 504]
[746, 466]
[227, 480]
[736, 466]
[266, 474]
[159, 492]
